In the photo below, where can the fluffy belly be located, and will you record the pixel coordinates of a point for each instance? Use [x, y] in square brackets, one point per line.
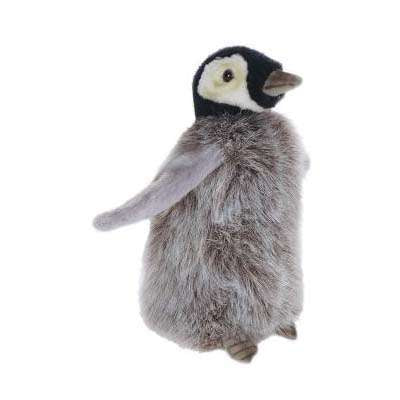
[203, 282]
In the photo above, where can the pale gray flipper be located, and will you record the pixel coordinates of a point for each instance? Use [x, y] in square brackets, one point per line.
[180, 173]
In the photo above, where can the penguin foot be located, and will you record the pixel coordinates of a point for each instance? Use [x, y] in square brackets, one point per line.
[288, 332]
[240, 349]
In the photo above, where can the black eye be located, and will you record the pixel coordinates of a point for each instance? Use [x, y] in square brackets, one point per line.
[228, 75]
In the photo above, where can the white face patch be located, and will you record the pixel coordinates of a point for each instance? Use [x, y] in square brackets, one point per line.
[235, 92]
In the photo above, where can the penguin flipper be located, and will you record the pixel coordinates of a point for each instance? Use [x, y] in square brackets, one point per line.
[181, 172]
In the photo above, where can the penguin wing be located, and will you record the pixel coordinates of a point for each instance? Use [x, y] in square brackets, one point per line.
[181, 172]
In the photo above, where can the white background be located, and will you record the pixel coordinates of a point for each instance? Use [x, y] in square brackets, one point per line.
[93, 94]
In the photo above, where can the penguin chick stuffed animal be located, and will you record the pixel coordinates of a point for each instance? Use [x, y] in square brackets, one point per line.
[222, 261]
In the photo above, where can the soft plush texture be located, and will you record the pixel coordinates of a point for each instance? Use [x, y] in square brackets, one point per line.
[224, 261]
[259, 68]
[184, 169]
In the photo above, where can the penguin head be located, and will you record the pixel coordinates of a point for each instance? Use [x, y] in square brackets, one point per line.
[239, 79]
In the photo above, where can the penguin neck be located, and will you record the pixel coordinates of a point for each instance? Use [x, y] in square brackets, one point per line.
[207, 108]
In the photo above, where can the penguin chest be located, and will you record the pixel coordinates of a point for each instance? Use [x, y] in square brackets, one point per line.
[248, 189]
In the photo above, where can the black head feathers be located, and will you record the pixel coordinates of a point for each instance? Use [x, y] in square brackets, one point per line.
[239, 79]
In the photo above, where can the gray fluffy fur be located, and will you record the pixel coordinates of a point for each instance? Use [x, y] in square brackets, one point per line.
[224, 261]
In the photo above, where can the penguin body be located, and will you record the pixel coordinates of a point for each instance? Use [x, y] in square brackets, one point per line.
[222, 261]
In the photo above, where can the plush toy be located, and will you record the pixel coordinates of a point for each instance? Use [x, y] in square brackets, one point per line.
[222, 261]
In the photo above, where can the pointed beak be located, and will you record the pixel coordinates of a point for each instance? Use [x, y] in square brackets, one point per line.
[280, 82]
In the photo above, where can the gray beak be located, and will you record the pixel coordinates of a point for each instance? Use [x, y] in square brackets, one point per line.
[280, 82]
